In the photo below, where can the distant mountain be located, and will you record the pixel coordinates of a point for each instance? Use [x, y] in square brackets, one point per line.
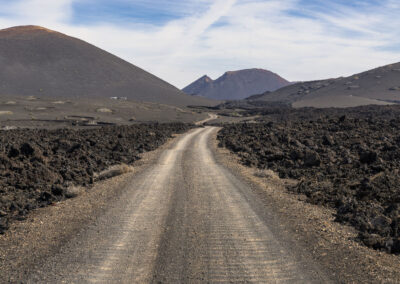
[235, 85]
[378, 86]
[35, 61]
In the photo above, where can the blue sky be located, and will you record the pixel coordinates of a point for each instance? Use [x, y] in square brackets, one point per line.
[180, 41]
[124, 11]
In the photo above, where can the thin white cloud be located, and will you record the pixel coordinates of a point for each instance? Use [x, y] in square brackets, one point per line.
[235, 34]
[45, 11]
[192, 29]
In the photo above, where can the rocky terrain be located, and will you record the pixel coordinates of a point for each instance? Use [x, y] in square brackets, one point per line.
[348, 160]
[236, 85]
[40, 167]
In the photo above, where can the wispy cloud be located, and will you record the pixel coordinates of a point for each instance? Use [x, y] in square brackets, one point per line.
[182, 40]
[37, 11]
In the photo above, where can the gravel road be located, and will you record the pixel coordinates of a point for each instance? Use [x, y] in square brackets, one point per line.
[211, 116]
[185, 219]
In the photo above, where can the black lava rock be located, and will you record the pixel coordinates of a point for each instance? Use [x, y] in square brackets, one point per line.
[37, 165]
[348, 160]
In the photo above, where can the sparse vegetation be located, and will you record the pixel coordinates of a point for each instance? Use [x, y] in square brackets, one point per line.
[104, 110]
[73, 191]
[113, 171]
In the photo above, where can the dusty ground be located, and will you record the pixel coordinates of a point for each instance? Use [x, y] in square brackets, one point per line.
[46, 230]
[47, 112]
[220, 223]
[333, 245]
[147, 234]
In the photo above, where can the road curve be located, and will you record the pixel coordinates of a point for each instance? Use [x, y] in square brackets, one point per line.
[186, 219]
[211, 116]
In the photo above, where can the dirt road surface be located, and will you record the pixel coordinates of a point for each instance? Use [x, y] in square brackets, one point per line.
[211, 116]
[185, 218]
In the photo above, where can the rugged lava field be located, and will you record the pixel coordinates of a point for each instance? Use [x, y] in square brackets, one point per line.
[39, 167]
[350, 163]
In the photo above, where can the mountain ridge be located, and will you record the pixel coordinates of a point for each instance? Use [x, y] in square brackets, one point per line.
[239, 84]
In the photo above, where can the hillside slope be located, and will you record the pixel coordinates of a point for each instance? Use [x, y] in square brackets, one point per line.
[235, 85]
[377, 86]
[39, 62]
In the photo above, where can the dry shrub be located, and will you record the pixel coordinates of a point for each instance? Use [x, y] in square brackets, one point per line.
[104, 110]
[6, 112]
[73, 191]
[113, 171]
[268, 174]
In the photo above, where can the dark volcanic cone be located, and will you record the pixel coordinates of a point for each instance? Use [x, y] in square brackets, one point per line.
[35, 61]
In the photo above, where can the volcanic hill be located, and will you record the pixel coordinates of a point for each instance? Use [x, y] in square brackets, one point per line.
[36, 61]
[374, 87]
[236, 85]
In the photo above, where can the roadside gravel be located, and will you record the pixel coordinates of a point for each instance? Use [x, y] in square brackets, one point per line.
[46, 230]
[313, 229]
[39, 167]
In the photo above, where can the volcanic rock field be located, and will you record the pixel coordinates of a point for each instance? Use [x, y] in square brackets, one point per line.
[345, 159]
[40, 167]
